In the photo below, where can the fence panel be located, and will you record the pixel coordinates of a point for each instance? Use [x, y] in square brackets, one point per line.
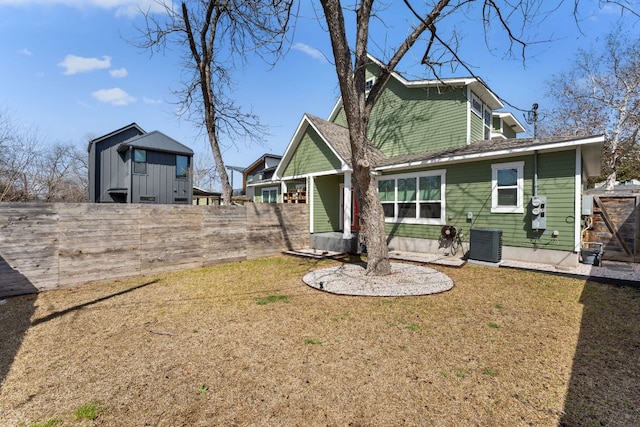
[46, 246]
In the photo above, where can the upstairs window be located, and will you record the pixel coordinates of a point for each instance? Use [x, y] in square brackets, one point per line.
[139, 161]
[182, 166]
[483, 111]
[413, 198]
[507, 187]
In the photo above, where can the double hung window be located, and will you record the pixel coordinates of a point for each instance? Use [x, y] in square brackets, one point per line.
[507, 187]
[139, 161]
[413, 198]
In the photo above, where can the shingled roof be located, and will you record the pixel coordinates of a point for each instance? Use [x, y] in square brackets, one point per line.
[338, 137]
[490, 148]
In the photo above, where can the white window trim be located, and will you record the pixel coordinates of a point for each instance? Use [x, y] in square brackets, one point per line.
[519, 208]
[427, 221]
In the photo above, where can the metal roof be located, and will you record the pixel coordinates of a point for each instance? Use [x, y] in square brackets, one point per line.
[156, 141]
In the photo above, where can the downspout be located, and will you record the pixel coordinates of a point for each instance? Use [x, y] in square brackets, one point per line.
[535, 173]
[129, 195]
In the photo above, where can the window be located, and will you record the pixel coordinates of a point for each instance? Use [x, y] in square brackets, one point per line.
[507, 187]
[413, 198]
[369, 84]
[270, 195]
[139, 161]
[182, 166]
[483, 111]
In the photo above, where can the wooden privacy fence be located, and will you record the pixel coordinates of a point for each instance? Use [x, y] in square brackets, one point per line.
[48, 246]
[616, 223]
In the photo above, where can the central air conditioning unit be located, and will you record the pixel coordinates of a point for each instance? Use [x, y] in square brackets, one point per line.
[485, 245]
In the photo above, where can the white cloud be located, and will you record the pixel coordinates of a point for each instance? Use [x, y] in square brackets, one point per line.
[77, 64]
[119, 73]
[151, 101]
[114, 96]
[311, 51]
[25, 52]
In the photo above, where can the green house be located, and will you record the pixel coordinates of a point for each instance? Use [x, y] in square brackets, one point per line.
[445, 157]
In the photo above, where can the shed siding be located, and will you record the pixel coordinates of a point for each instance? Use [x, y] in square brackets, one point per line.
[312, 155]
[110, 166]
[468, 189]
[160, 181]
[326, 203]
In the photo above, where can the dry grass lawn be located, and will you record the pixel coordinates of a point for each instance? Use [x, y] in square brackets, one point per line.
[250, 344]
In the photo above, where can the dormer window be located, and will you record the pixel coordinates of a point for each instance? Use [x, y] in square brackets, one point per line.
[483, 111]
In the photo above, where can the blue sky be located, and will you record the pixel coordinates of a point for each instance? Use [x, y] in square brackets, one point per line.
[68, 69]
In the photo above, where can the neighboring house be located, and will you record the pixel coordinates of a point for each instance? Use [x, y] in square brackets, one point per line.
[444, 156]
[258, 174]
[130, 165]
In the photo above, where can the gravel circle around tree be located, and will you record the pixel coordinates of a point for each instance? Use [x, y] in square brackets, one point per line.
[404, 280]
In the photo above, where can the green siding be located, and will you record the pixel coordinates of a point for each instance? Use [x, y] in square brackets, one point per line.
[407, 121]
[477, 128]
[326, 203]
[468, 189]
[508, 132]
[312, 155]
[416, 120]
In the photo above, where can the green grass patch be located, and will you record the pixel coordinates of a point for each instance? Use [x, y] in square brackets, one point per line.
[493, 325]
[272, 298]
[312, 341]
[51, 422]
[414, 327]
[88, 411]
[203, 389]
[489, 371]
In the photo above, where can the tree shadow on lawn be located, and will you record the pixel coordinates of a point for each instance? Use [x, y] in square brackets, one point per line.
[16, 318]
[604, 388]
[16, 310]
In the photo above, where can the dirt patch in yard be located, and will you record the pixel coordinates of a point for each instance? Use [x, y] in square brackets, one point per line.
[250, 344]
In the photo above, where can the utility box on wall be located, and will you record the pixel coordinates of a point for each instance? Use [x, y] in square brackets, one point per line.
[539, 212]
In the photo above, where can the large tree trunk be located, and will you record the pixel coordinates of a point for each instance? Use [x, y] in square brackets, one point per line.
[372, 216]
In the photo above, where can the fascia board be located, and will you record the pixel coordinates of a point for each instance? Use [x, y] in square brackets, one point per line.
[315, 174]
[512, 121]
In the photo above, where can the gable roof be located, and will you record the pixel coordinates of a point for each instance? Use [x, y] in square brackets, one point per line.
[335, 136]
[479, 88]
[156, 141]
[99, 139]
[502, 148]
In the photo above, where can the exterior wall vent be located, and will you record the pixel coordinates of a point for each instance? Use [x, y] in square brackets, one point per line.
[485, 245]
